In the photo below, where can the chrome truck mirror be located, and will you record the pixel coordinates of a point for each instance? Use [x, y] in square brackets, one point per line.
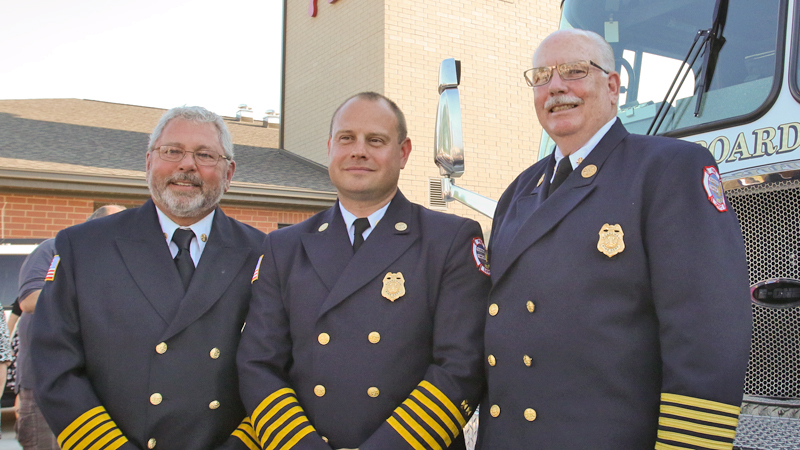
[449, 141]
[448, 147]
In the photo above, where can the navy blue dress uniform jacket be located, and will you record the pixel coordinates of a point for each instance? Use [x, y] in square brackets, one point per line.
[328, 361]
[123, 358]
[589, 351]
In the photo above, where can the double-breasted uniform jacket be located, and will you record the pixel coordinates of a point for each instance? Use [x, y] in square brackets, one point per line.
[380, 349]
[123, 357]
[592, 345]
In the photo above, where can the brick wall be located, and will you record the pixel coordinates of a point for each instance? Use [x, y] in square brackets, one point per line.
[39, 216]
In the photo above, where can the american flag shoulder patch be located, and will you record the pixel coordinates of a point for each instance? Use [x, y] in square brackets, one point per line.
[51, 272]
[258, 266]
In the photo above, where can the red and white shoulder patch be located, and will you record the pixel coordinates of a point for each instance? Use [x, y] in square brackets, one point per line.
[479, 254]
[713, 186]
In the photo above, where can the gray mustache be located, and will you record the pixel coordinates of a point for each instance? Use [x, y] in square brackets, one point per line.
[558, 100]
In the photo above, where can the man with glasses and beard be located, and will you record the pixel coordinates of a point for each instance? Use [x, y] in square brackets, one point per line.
[135, 334]
[619, 316]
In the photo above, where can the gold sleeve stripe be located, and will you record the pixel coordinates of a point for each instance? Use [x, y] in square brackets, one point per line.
[99, 431]
[446, 420]
[115, 434]
[697, 415]
[413, 406]
[697, 428]
[279, 437]
[445, 401]
[300, 435]
[118, 443]
[247, 434]
[663, 446]
[405, 434]
[432, 444]
[246, 439]
[700, 403]
[269, 415]
[280, 422]
[696, 441]
[270, 398]
[78, 440]
[77, 423]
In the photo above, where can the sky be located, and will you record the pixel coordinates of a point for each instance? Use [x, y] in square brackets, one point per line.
[160, 53]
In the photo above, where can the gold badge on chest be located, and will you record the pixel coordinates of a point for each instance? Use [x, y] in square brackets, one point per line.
[393, 286]
[611, 242]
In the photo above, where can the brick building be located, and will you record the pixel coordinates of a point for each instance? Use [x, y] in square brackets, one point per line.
[62, 159]
[394, 47]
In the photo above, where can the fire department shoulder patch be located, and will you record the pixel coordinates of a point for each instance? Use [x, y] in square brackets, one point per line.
[713, 186]
[479, 254]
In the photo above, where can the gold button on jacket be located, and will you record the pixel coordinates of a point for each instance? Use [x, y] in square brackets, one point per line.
[494, 410]
[156, 399]
[530, 414]
[324, 338]
[161, 348]
[374, 337]
[493, 308]
[319, 390]
[492, 360]
[213, 405]
[373, 392]
[214, 353]
[151, 443]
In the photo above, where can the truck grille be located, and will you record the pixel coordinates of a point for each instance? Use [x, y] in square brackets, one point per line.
[769, 215]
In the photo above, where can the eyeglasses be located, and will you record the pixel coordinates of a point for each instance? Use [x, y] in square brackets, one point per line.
[575, 70]
[201, 157]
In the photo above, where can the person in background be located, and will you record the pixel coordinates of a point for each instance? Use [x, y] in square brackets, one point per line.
[6, 352]
[32, 430]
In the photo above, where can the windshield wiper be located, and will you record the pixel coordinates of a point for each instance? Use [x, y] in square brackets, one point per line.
[711, 42]
[713, 45]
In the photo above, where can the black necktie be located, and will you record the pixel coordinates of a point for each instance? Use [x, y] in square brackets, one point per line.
[562, 172]
[183, 260]
[361, 225]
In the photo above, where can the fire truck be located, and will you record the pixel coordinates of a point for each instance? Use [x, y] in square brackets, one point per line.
[723, 74]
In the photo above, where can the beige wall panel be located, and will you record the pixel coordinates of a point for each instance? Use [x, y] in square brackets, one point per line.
[494, 41]
[329, 57]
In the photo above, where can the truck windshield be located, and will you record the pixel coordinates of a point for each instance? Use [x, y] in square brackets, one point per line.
[651, 39]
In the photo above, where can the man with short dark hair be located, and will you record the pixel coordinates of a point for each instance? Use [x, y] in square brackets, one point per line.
[619, 315]
[135, 336]
[365, 328]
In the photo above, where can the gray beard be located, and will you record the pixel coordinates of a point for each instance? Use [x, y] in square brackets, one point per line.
[183, 205]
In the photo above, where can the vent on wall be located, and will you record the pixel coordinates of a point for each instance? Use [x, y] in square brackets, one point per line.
[435, 199]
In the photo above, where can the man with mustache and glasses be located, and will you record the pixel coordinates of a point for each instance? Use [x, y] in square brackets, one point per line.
[365, 329]
[135, 334]
[619, 315]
